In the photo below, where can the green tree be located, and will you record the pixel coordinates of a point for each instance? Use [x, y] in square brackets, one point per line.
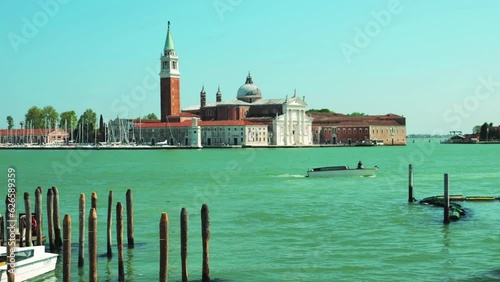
[483, 135]
[50, 117]
[102, 130]
[357, 114]
[87, 125]
[320, 111]
[68, 119]
[34, 117]
[151, 116]
[10, 122]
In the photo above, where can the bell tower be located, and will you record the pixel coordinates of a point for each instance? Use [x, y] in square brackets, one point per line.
[169, 79]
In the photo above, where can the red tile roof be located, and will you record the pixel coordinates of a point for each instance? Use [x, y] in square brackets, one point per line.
[159, 124]
[183, 114]
[25, 132]
[187, 123]
[228, 123]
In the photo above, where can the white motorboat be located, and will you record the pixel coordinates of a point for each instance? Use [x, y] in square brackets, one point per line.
[29, 262]
[329, 171]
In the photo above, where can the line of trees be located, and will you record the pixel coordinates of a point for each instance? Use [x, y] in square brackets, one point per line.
[83, 128]
[354, 114]
[489, 132]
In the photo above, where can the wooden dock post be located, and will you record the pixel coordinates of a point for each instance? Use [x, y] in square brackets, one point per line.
[119, 241]
[110, 222]
[163, 247]
[67, 248]
[93, 201]
[21, 231]
[184, 242]
[81, 231]
[446, 199]
[57, 219]
[2, 233]
[93, 245]
[6, 221]
[130, 220]
[205, 234]
[411, 199]
[38, 216]
[50, 219]
[27, 227]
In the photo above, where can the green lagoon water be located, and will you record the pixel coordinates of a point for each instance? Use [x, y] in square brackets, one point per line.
[270, 223]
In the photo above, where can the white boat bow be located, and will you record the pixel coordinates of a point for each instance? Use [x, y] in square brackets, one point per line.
[329, 171]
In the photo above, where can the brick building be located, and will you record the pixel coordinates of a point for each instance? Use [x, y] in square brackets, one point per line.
[386, 129]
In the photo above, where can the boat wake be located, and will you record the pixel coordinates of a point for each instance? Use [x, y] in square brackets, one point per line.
[290, 175]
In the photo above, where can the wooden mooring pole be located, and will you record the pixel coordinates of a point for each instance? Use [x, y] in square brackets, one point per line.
[67, 248]
[411, 199]
[2, 233]
[38, 216]
[119, 241]
[50, 219]
[163, 247]
[93, 201]
[205, 234]
[130, 220]
[184, 242]
[27, 227]
[81, 231]
[57, 219]
[446, 199]
[110, 222]
[93, 245]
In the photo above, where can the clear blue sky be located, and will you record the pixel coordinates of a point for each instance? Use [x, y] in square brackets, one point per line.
[427, 60]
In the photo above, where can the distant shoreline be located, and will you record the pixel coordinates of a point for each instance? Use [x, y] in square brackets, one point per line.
[121, 148]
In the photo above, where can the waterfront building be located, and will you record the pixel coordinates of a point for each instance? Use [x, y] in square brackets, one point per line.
[34, 136]
[281, 121]
[330, 128]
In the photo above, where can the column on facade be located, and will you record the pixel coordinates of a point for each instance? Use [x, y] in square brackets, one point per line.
[302, 126]
[285, 126]
[290, 128]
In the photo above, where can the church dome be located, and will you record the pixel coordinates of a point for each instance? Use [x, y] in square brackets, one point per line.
[249, 90]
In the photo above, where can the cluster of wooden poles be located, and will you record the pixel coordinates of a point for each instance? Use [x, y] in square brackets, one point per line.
[56, 242]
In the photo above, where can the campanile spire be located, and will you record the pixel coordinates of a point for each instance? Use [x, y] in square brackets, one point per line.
[169, 79]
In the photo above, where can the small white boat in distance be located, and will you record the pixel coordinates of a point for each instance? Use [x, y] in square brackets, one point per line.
[329, 171]
[29, 262]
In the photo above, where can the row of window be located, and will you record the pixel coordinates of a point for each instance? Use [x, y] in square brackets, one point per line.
[229, 129]
[166, 65]
[355, 130]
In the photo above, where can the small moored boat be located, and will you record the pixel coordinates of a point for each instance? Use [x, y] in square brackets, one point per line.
[29, 262]
[329, 171]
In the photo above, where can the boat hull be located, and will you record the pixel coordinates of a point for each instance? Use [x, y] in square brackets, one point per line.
[326, 172]
[41, 263]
